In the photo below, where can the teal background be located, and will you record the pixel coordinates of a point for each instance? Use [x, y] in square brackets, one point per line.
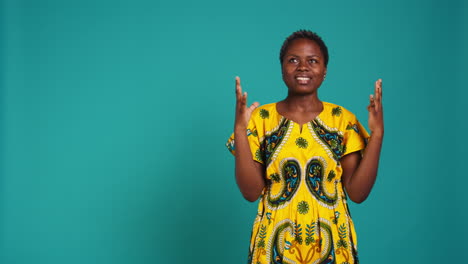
[114, 116]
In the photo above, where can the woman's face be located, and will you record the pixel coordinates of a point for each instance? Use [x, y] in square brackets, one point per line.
[303, 67]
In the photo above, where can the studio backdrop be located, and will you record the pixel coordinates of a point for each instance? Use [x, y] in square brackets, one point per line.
[114, 116]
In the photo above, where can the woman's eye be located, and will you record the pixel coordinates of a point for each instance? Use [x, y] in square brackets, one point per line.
[313, 61]
[293, 60]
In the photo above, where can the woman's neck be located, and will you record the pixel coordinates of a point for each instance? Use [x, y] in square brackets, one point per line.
[302, 103]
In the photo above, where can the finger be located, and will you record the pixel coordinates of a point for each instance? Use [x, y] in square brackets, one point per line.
[238, 88]
[380, 90]
[380, 86]
[371, 106]
[244, 99]
[253, 106]
[376, 87]
[378, 95]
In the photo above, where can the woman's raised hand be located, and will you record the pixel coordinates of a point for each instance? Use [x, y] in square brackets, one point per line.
[243, 112]
[375, 108]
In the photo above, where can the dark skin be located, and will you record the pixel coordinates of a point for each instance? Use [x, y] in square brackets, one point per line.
[303, 72]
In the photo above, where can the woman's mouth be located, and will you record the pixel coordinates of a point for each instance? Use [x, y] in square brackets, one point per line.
[302, 79]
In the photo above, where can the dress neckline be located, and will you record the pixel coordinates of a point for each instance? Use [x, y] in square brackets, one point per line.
[324, 105]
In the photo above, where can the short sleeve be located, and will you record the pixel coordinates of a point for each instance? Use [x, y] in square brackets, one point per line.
[254, 142]
[356, 136]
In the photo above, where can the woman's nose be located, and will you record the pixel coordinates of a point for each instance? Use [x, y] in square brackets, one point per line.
[302, 66]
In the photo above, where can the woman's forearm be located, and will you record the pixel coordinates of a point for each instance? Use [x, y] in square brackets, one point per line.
[249, 173]
[361, 182]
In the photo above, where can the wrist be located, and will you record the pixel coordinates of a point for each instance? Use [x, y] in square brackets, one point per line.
[377, 134]
[240, 129]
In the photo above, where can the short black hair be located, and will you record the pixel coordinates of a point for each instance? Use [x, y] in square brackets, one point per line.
[307, 34]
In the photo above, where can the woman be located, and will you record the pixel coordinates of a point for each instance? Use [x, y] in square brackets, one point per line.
[300, 155]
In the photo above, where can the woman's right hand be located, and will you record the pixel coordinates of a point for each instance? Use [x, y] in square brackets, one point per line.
[243, 112]
[249, 173]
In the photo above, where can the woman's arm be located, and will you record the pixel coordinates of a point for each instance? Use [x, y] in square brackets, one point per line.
[249, 173]
[359, 174]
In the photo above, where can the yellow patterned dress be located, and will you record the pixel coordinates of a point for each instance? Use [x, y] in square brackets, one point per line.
[303, 216]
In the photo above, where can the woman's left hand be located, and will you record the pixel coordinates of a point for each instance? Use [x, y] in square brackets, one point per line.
[375, 108]
[360, 172]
